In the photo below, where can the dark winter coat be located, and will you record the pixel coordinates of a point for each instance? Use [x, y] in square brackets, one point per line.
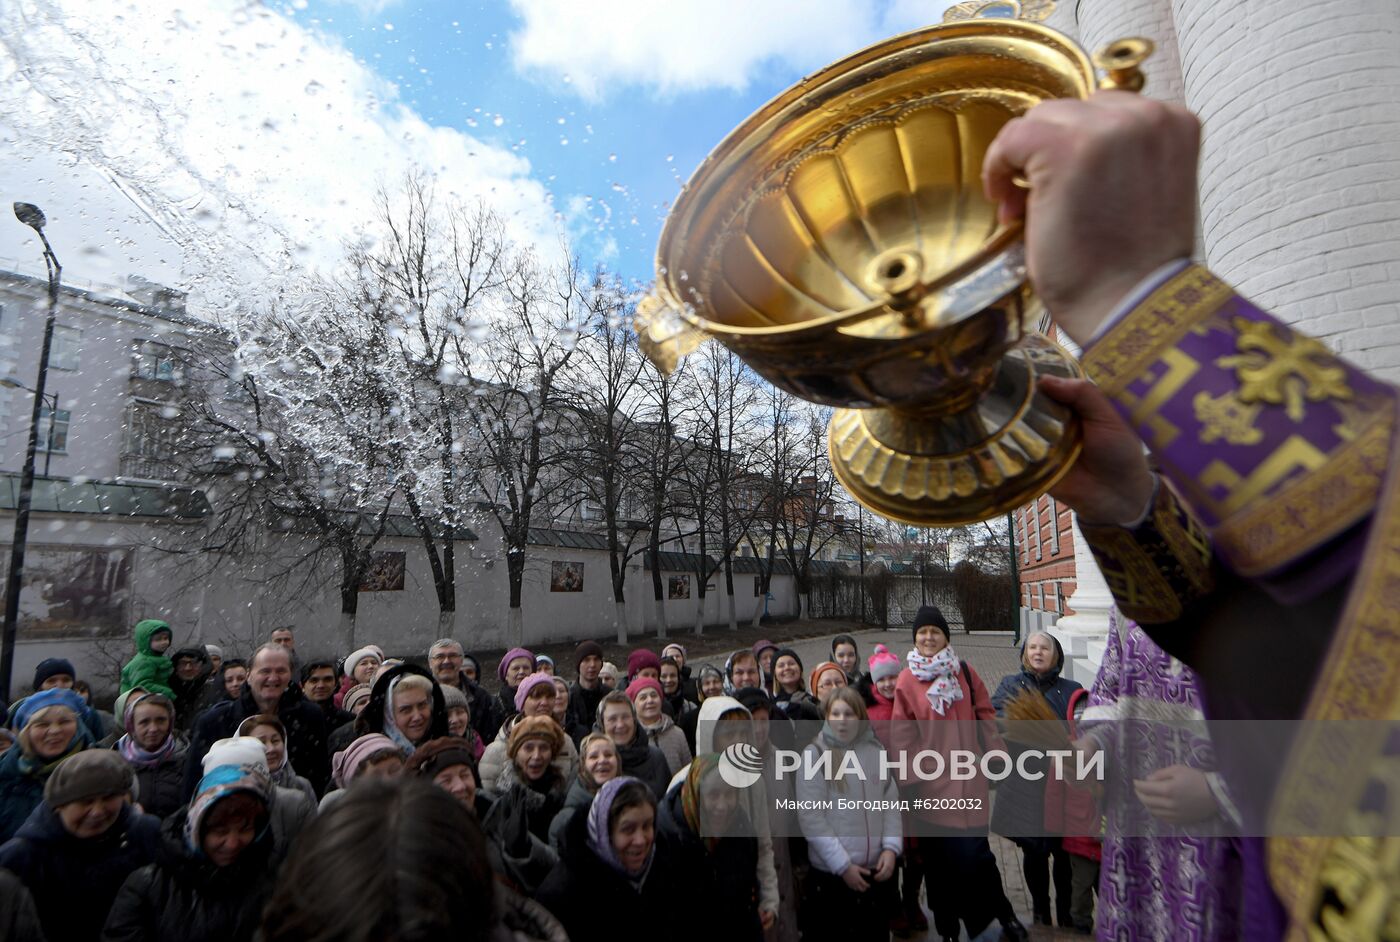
[182, 897]
[1019, 810]
[725, 877]
[306, 735]
[18, 917]
[341, 737]
[335, 716]
[74, 881]
[189, 694]
[576, 802]
[20, 792]
[160, 790]
[371, 718]
[583, 710]
[516, 825]
[588, 896]
[640, 759]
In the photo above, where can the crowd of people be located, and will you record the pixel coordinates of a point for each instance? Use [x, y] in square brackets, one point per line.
[184, 812]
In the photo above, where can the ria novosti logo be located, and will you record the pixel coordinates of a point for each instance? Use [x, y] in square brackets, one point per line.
[740, 765]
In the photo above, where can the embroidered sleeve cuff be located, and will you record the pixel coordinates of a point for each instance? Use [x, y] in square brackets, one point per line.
[1157, 568]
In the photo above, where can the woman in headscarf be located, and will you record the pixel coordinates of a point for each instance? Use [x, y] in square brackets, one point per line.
[953, 712]
[155, 752]
[598, 763]
[50, 730]
[268, 730]
[406, 705]
[852, 847]
[715, 848]
[648, 700]
[1020, 808]
[617, 717]
[213, 871]
[709, 683]
[373, 755]
[614, 871]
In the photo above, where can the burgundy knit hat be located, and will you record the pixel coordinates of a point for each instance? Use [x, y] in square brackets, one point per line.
[641, 659]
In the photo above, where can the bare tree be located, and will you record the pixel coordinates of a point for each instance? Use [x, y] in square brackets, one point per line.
[442, 268]
[607, 371]
[717, 475]
[519, 426]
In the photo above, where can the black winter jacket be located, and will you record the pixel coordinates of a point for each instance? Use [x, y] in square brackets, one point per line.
[640, 759]
[1019, 810]
[725, 877]
[73, 881]
[182, 896]
[18, 917]
[306, 735]
[160, 790]
[588, 896]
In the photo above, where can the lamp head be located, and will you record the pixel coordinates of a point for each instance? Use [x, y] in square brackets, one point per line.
[31, 215]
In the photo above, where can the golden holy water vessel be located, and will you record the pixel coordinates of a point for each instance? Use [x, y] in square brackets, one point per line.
[839, 242]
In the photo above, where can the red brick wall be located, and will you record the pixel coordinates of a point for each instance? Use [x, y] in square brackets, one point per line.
[1045, 555]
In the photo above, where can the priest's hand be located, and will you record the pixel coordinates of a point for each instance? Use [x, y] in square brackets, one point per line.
[1177, 794]
[1112, 197]
[1110, 483]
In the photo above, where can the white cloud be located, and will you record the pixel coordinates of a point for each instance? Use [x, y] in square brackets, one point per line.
[211, 143]
[692, 45]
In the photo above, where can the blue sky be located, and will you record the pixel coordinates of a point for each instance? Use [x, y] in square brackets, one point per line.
[614, 152]
[221, 143]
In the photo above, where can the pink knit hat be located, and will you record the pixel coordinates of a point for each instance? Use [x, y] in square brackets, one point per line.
[642, 683]
[883, 664]
[522, 693]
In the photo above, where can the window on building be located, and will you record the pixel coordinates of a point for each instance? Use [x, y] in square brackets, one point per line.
[1035, 527]
[64, 350]
[1054, 526]
[53, 430]
[152, 435]
[1040, 596]
[158, 362]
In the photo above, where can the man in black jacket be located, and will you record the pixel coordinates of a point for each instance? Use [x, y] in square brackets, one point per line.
[445, 659]
[269, 689]
[585, 693]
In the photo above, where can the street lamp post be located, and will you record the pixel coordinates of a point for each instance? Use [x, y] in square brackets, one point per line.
[33, 217]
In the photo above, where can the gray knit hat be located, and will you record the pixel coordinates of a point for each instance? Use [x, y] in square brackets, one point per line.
[89, 774]
[454, 697]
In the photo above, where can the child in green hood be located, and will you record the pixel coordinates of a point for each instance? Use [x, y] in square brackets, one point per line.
[150, 668]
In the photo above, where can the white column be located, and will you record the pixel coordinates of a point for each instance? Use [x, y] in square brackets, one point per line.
[1300, 198]
[1082, 634]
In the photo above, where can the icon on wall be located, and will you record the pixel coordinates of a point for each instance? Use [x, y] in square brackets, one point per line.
[678, 587]
[565, 576]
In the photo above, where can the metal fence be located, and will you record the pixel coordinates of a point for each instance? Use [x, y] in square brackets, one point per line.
[971, 600]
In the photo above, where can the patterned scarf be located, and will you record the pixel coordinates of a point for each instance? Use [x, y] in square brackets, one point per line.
[135, 756]
[391, 729]
[690, 796]
[940, 672]
[600, 830]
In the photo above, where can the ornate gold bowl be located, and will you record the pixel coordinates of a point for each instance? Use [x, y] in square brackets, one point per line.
[840, 243]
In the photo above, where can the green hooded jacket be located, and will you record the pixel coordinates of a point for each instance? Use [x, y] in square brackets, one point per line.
[148, 670]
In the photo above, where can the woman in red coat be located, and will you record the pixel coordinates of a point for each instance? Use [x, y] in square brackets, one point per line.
[953, 712]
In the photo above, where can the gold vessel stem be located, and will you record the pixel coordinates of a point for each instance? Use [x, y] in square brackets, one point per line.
[1122, 62]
